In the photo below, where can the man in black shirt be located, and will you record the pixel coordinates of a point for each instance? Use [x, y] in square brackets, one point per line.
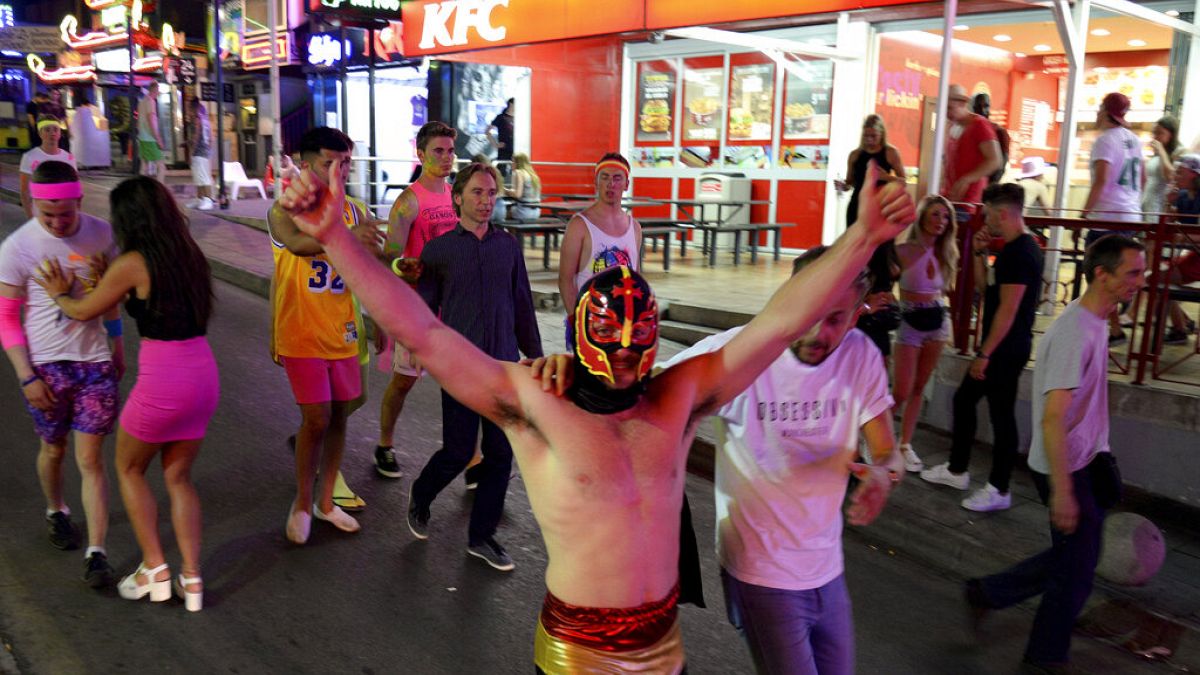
[32, 110]
[474, 277]
[501, 136]
[1010, 296]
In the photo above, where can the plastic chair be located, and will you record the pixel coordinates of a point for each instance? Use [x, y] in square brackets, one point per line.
[236, 179]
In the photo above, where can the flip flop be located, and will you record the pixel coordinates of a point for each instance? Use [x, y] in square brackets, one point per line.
[344, 497]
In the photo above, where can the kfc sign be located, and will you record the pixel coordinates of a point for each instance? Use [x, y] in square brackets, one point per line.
[447, 23]
[444, 26]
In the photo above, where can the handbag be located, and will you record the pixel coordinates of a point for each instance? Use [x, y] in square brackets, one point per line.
[925, 319]
[1106, 480]
[884, 320]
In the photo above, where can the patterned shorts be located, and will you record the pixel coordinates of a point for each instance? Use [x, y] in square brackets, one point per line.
[86, 399]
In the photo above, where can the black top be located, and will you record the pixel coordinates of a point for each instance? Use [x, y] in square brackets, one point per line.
[481, 289]
[504, 134]
[858, 174]
[1019, 262]
[32, 109]
[158, 326]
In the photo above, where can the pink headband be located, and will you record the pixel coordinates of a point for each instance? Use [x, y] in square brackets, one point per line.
[52, 191]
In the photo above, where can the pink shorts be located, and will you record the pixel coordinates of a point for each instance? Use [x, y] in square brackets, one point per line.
[176, 391]
[323, 380]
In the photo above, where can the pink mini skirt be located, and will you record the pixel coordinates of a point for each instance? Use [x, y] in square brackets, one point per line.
[176, 391]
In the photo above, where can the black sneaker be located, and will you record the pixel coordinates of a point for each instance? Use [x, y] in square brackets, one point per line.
[97, 573]
[63, 535]
[418, 519]
[1175, 336]
[471, 476]
[385, 462]
[492, 553]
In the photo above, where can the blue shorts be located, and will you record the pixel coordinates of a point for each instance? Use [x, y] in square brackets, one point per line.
[86, 399]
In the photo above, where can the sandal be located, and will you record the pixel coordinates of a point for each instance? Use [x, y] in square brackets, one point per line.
[158, 591]
[193, 601]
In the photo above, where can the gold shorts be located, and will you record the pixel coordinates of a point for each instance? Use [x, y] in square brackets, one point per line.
[643, 639]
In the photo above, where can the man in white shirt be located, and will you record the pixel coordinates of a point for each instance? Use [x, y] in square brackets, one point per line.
[49, 130]
[785, 452]
[67, 370]
[1069, 456]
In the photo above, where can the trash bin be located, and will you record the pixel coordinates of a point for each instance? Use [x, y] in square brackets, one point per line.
[724, 187]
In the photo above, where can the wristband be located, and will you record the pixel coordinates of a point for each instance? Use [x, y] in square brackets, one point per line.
[396, 267]
[113, 328]
[30, 380]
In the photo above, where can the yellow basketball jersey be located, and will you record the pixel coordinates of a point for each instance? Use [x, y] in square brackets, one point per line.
[314, 312]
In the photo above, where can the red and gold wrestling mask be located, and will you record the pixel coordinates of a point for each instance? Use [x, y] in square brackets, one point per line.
[615, 322]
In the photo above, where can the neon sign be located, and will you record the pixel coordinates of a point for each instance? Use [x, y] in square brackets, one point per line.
[91, 40]
[62, 75]
[6, 16]
[324, 50]
[256, 53]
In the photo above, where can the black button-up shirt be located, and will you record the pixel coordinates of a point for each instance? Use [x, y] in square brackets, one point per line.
[481, 289]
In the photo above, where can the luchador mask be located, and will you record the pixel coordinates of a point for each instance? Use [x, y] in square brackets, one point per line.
[616, 310]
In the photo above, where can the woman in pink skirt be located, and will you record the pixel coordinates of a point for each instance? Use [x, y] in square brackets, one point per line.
[165, 281]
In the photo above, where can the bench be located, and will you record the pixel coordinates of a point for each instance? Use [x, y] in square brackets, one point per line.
[666, 230]
[543, 226]
[751, 229]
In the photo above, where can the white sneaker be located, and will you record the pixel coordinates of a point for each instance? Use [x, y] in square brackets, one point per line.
[205, 204]
[986, 499]
[912, 463]
[941, 474]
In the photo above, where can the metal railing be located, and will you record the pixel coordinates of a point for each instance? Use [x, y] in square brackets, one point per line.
[1165, 239]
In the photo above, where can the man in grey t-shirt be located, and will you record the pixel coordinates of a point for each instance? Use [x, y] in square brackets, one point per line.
[1070, 429]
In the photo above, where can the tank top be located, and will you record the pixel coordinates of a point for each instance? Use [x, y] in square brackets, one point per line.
[608, 250]
[435, 217]
[159, 326]
[923, 275]
[858, 174]
[314, 313]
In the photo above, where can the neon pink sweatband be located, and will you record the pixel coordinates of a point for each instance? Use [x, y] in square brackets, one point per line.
[11, 331]
[72, 190]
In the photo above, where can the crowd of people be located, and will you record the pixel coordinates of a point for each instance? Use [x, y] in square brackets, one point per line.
[601, 433]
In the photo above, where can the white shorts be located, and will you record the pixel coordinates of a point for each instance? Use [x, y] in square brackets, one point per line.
[201, 172]
[403, 362]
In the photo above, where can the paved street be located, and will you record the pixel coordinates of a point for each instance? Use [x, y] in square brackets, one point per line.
[381, 601]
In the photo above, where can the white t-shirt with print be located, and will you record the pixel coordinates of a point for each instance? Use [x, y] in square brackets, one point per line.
[52, 335]
[1122, 188]
[783, 460]
[30, 160]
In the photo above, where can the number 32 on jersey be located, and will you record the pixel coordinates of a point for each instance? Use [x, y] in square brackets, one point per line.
[325, 278]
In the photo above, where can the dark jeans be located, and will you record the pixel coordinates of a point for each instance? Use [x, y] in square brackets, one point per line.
[1000, 388]
[1062, 574]
[459, 428]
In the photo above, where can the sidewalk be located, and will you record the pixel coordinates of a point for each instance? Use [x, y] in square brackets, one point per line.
[923, 522]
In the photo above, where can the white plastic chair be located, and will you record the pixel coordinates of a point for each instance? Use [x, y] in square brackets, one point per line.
[236, 179]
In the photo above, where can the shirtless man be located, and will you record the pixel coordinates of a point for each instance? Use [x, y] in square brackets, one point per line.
[604, 466]
[422, 212]
[600, 236]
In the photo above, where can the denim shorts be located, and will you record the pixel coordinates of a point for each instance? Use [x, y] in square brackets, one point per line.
[907, 335]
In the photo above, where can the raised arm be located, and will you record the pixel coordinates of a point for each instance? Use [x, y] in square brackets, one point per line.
[400, 220]
[476, 380]
[804, 298]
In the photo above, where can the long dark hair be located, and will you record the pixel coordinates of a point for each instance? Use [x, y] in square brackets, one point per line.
[146, 219]
[1172, 126]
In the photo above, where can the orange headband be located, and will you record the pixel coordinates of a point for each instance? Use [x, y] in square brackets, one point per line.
[612, 164]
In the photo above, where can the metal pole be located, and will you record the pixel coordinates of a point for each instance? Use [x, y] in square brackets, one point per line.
[222, 198]
[134, 122]
[277, 138]
[343, 113]
[934, 184]
[371, 113]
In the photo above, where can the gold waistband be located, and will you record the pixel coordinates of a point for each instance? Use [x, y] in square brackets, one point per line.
[559, 657]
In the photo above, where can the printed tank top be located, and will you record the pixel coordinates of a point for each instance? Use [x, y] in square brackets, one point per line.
[435, 217]
[608, 250]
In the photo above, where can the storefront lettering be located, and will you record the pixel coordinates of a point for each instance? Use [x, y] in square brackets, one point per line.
[900, 89]
[466, 14]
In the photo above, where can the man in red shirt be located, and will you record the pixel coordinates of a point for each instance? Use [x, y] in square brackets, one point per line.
[972, 151]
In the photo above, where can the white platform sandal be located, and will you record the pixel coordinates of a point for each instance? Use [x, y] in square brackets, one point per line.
[193, 601]
[159, 591]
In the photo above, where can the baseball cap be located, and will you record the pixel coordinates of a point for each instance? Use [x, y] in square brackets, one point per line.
[1116, 105]
[1190, 161]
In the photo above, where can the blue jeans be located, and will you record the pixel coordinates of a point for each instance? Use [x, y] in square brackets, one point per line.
[793, 632]
[1062, 574]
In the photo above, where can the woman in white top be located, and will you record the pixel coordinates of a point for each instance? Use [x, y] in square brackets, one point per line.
[928, 263]
[49, 131]
[1160, 168]
[526, 187]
